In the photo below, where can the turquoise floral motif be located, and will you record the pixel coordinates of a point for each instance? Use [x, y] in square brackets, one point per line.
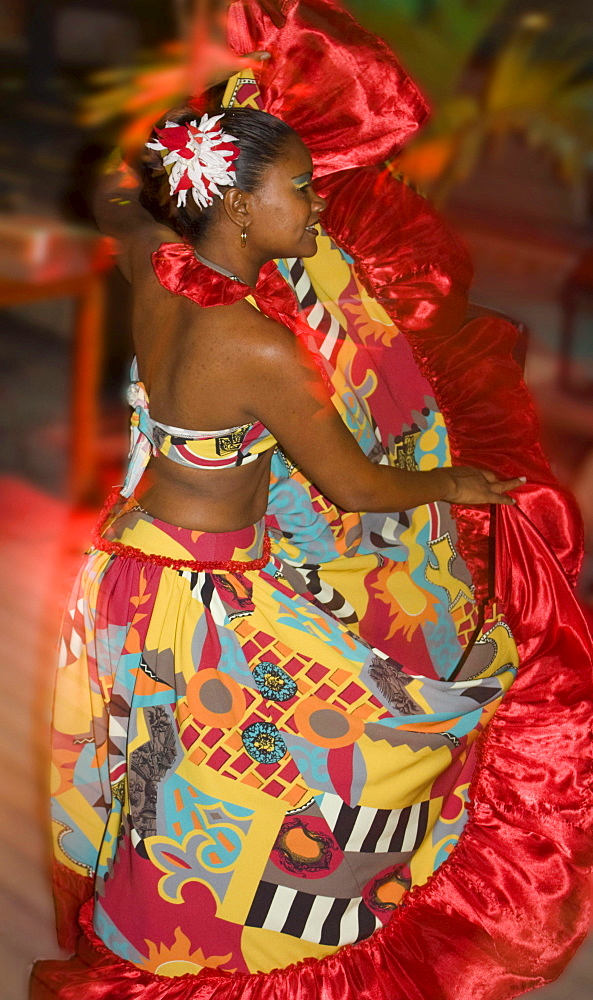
[264, 743]
[273, 682]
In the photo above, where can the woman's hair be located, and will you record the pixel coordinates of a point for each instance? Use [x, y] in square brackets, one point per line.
[261, 138]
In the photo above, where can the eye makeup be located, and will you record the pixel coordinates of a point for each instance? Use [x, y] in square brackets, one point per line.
[302, 181]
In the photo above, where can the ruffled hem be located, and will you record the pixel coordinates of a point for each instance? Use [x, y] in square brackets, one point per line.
[505, 913]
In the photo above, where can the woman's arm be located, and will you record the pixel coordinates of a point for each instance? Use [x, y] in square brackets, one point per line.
[286, 392]
[119, 214]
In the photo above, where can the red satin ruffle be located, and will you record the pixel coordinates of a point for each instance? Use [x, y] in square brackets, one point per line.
[179, 270]
[338, 86]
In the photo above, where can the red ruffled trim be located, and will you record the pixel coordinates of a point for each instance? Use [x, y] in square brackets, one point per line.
[180, 272]
[338, 86]
[196, 565]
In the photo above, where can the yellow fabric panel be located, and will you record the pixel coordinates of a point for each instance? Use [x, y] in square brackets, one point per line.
[265, 950]
[423, 862]
[173, 621]
[415, 770]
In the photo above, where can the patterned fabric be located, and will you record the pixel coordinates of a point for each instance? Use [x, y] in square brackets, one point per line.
[223, 449]
[227, 755]
[242, 91]
[398, 579]
[284, 750]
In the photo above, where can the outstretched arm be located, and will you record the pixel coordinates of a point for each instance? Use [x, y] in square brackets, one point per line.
[119, 214]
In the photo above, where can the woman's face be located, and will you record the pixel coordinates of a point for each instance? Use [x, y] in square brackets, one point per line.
[285, 208]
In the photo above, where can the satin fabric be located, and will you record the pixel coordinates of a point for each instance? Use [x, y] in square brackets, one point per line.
[183, 274]
[333, 82]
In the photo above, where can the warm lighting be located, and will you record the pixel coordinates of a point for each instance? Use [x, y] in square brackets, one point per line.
[535, 20]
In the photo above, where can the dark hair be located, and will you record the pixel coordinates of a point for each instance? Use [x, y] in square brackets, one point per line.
[261, 138]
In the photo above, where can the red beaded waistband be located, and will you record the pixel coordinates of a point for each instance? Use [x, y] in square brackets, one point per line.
[125, 551]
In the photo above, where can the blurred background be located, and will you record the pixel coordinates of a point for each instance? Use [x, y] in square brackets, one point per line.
[507, 157]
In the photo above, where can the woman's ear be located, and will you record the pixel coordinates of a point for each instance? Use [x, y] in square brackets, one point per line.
[236, 206]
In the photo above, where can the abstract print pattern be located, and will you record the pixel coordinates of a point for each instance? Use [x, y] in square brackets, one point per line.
[405, 587]
[233, 774]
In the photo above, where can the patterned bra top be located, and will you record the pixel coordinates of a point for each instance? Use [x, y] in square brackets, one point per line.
[195, 449]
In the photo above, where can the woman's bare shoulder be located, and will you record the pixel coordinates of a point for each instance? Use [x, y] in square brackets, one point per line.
[244, 325]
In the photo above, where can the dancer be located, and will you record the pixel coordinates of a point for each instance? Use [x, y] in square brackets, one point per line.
[163, 663]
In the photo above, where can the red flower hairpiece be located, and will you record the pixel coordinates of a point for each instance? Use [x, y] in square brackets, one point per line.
[199, 158]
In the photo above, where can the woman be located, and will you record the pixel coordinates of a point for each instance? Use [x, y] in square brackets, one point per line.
[193, 624]
[208, 361]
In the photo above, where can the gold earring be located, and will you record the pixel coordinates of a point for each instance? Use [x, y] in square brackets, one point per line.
[243, 237]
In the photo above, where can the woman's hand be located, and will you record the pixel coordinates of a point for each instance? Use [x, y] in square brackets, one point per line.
[475, 486]
[282, 387]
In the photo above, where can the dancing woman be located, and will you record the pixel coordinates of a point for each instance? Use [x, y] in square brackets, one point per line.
[246, 778]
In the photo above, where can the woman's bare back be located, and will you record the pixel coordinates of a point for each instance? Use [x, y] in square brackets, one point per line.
[192, 362]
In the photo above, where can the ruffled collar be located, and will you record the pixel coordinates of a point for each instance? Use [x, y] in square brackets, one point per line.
[179, 271]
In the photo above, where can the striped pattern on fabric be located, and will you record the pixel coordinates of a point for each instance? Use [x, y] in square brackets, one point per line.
[318, 317]
[321, 919]
[372, 831]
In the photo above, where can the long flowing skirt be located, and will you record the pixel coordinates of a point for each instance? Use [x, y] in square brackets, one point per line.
[248, 781]
[288, 740]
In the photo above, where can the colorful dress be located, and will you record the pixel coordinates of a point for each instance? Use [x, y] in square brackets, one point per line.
[264, 782]
[261, 759]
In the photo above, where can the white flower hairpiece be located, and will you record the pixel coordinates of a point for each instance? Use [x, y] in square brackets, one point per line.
[198, 158]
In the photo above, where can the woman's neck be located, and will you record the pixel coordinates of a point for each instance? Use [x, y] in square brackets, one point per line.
[216, 267]
[234, 262]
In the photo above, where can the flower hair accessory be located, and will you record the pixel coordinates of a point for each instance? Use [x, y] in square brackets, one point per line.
[198, 158]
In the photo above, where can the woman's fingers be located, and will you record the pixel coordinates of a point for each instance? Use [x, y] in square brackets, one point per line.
[488, 475]
[479, 486]
[493, 478]
[503, 486]
[500, 488]
[501, 498]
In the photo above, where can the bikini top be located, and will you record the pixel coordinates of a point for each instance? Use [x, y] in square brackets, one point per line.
[224, 449]
[181, 272]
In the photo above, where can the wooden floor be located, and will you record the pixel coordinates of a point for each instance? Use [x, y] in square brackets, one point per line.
[40, 546]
